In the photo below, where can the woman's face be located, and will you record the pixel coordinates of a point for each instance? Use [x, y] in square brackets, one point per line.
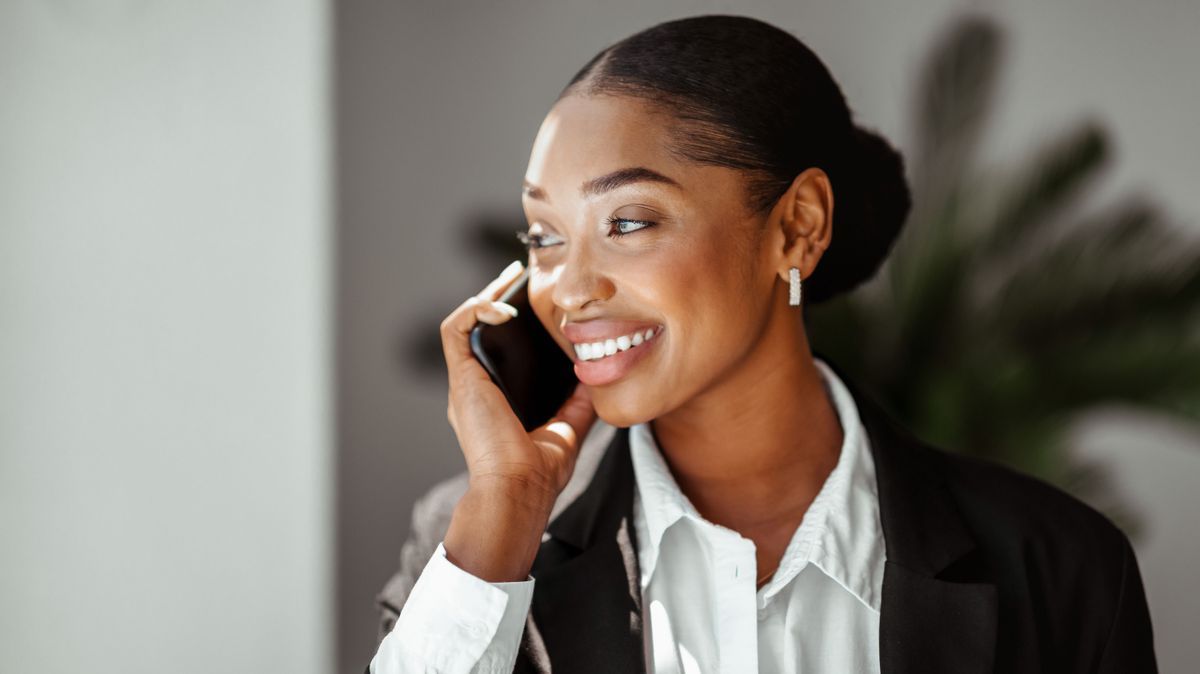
[692, 263]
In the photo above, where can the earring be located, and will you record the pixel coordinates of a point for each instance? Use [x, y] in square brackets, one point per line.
[794, 286]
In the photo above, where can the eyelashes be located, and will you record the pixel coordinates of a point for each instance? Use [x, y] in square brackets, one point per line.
[530, 241]
[617, 222]
[534, 241]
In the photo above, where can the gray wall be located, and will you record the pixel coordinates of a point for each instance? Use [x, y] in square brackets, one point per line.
[438, 106]
[165, 432]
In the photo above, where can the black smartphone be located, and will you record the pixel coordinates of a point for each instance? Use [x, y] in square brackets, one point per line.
[524, 361]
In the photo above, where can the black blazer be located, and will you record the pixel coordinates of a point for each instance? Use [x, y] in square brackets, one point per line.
[987, 570]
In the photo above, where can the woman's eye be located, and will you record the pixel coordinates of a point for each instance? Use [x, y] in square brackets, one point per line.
[617, 226]
[532, 241]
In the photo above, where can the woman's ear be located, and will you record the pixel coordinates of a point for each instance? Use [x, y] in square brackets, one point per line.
[805, 218]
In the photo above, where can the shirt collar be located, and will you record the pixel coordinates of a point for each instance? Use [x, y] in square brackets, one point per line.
[840, 533]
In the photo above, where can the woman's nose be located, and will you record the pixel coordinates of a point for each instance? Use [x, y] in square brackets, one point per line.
[579, 283]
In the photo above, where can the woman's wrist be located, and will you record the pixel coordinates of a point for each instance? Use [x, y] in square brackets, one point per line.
[496, 530]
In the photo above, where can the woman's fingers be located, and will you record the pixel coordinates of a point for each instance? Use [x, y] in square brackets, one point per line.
[565, 431]
[574, 417]
[496, 288]
[456, 328]
[496, 312]
[492, 437]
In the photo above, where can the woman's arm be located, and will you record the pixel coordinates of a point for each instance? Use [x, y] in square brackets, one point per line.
[454, 622]
[436, 616]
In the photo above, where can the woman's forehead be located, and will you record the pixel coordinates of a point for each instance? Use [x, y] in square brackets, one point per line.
[578, 128]
[590, 141]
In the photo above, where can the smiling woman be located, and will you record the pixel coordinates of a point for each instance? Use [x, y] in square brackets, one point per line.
[714, 496]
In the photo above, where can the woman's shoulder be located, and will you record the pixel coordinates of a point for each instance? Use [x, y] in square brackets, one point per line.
[1046, 550]
[1008, 506]
[1055, 560]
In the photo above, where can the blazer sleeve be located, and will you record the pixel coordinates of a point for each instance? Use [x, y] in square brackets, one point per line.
[1130, 644]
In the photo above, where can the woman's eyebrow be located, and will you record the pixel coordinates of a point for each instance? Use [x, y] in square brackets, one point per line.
[606, 183]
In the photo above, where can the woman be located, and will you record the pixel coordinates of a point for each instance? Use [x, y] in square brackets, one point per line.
[714, 497]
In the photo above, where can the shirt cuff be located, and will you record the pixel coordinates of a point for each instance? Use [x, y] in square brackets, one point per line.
[454, 621]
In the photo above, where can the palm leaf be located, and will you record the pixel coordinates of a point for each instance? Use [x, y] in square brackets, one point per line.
[1003, 314]
[1045, 186]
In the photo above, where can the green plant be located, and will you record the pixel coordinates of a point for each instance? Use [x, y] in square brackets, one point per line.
[1003, 313]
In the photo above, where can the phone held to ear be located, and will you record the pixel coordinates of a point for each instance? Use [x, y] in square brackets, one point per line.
[524, 361]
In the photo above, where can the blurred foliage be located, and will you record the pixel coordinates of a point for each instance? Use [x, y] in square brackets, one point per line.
[1003, 313]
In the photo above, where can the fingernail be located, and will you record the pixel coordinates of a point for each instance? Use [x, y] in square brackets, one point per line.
[516, 264]
[507, 307]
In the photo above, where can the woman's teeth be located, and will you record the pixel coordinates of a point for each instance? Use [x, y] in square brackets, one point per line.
[598, 350]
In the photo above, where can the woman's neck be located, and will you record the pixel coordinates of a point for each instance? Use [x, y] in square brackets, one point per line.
[753, 450]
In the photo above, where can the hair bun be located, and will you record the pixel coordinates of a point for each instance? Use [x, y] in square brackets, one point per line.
[871, 204]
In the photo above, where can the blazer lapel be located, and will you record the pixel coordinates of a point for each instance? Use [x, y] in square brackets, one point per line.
[586, 614]
[928, 622]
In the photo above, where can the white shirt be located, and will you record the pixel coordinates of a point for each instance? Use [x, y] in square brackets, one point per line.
[819, 612]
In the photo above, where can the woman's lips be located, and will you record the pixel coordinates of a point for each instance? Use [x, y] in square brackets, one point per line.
[609, 369]
[598, 330]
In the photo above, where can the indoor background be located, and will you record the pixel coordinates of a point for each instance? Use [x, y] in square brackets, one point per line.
[227, 230]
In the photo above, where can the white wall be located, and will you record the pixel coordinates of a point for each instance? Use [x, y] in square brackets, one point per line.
[165, 443]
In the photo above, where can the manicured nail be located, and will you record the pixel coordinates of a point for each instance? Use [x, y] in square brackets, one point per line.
[507, 307]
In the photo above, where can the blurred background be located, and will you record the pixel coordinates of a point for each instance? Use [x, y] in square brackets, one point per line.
[228, 232]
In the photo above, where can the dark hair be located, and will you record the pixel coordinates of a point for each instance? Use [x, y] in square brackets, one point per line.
[751, 96]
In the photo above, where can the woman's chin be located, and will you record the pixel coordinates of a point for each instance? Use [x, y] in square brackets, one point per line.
[620, 411]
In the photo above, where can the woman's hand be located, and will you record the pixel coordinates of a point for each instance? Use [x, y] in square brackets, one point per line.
[515, 476]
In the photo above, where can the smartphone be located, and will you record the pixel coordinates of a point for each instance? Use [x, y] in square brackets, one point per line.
[524, 361]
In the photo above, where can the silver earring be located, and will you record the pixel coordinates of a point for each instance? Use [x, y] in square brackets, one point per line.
[794, 286]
